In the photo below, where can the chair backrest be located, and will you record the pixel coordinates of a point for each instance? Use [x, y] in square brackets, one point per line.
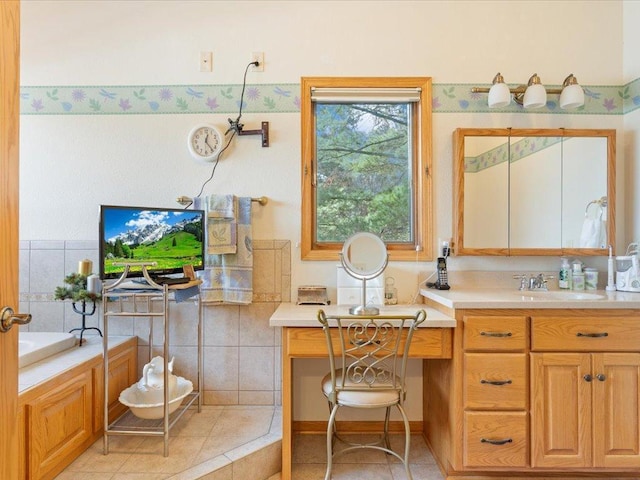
[369, 352]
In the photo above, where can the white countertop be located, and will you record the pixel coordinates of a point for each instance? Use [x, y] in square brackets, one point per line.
[514, 298]
[292, 315]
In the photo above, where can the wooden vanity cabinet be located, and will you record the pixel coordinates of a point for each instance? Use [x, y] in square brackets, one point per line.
[495, 391]
[535, 392]
[585, 392]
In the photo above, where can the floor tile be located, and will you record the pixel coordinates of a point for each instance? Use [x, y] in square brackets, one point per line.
[149, 458]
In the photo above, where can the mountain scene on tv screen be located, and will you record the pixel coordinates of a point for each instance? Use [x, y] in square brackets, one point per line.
[170, 246]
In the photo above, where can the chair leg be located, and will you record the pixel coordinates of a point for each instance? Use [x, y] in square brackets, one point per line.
[330, 436]
[407, 441]
[385, 433]
[334, 433]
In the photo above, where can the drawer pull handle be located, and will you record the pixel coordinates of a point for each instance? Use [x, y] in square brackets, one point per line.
[496, 382]
[496, 334]
[592, 335]
[496, 442]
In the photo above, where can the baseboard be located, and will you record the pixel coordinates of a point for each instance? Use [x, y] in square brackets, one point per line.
[355, 427]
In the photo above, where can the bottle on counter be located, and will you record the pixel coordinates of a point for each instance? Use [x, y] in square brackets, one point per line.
[565, 273]
[577, 276]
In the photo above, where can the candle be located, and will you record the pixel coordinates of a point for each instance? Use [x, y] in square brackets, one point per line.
[93, 284]
[84, 267]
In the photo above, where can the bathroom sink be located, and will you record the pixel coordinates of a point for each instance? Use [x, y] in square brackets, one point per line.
[560, 295]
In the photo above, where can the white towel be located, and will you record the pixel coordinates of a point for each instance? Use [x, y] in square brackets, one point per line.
[222, 224]
[593, 233]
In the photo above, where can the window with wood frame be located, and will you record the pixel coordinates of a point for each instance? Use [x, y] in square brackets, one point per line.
[366, 164]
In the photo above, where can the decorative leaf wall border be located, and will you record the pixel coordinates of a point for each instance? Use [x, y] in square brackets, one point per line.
[500, 154]
[280, 98]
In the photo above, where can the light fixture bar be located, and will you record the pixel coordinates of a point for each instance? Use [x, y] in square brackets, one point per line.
[532, 95]
[517, 90]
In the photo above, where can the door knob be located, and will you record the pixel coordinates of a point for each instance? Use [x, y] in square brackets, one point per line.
[8, 318]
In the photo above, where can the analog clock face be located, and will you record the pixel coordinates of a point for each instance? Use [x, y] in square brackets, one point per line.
[205, 142]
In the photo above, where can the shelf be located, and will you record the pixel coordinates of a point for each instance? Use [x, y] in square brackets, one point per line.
[121, 291]
[128, 423]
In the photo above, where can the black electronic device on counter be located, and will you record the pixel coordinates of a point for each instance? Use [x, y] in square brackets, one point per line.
[165, 240]
[442, 282]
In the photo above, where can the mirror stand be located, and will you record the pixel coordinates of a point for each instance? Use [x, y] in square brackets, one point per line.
[363, 309]
[364, 257]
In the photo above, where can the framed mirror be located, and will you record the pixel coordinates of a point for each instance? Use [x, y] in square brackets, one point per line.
[364, 256]
[534, 192]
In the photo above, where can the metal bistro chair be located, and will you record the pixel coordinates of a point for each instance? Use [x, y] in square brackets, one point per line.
[367, 370]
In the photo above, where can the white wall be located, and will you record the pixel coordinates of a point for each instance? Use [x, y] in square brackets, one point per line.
[71, 164]
[631, 71]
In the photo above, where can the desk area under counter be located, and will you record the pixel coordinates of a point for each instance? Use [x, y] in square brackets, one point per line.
[539, 383]
[302, 337]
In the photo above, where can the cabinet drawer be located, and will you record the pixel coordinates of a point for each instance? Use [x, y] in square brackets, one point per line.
[508, 333]
[495, 381]
[495, 439]
[585, 334]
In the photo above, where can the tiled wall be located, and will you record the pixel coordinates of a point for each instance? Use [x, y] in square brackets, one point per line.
[241, 352]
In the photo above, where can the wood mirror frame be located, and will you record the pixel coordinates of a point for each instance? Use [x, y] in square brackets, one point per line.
[561, 135]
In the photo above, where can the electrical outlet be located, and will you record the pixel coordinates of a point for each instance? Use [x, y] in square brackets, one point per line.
[206, 61]
[258, 57]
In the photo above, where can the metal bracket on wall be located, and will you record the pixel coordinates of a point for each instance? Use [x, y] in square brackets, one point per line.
[264, 131]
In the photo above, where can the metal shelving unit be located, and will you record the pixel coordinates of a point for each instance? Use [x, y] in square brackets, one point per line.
[141, 300]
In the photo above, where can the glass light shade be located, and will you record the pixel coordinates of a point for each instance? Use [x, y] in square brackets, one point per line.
[535, 96]
[499, 95]
[572, 96]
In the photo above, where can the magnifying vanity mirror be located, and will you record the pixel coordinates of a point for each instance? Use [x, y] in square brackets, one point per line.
[364, 256]
[534, 192]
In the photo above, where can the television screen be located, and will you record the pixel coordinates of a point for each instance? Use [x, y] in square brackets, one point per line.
[170, 237]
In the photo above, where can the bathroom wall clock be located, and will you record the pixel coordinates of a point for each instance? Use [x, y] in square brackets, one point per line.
[205, 142]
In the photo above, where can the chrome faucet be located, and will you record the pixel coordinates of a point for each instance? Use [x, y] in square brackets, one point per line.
[533, 282]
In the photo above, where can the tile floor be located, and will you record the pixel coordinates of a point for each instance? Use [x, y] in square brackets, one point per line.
[309, 461]
[238, 443]
[219, 443]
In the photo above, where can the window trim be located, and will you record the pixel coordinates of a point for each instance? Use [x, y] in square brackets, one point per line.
[422, 248]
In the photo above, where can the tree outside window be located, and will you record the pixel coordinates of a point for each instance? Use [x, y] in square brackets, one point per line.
[366, 162]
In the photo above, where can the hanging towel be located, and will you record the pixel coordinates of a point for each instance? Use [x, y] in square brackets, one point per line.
[222, 224]
[593, 233]
[228, 278]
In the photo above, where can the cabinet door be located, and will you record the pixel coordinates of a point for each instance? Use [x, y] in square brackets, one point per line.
[561, 428]
[59, 426]
[616, 409]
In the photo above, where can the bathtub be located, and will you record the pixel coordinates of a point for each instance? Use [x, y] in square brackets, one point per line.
[35, 346]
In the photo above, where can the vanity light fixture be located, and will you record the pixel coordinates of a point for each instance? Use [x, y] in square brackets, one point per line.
[534, 94]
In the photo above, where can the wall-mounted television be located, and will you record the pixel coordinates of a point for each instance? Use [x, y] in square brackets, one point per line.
[170, 237]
